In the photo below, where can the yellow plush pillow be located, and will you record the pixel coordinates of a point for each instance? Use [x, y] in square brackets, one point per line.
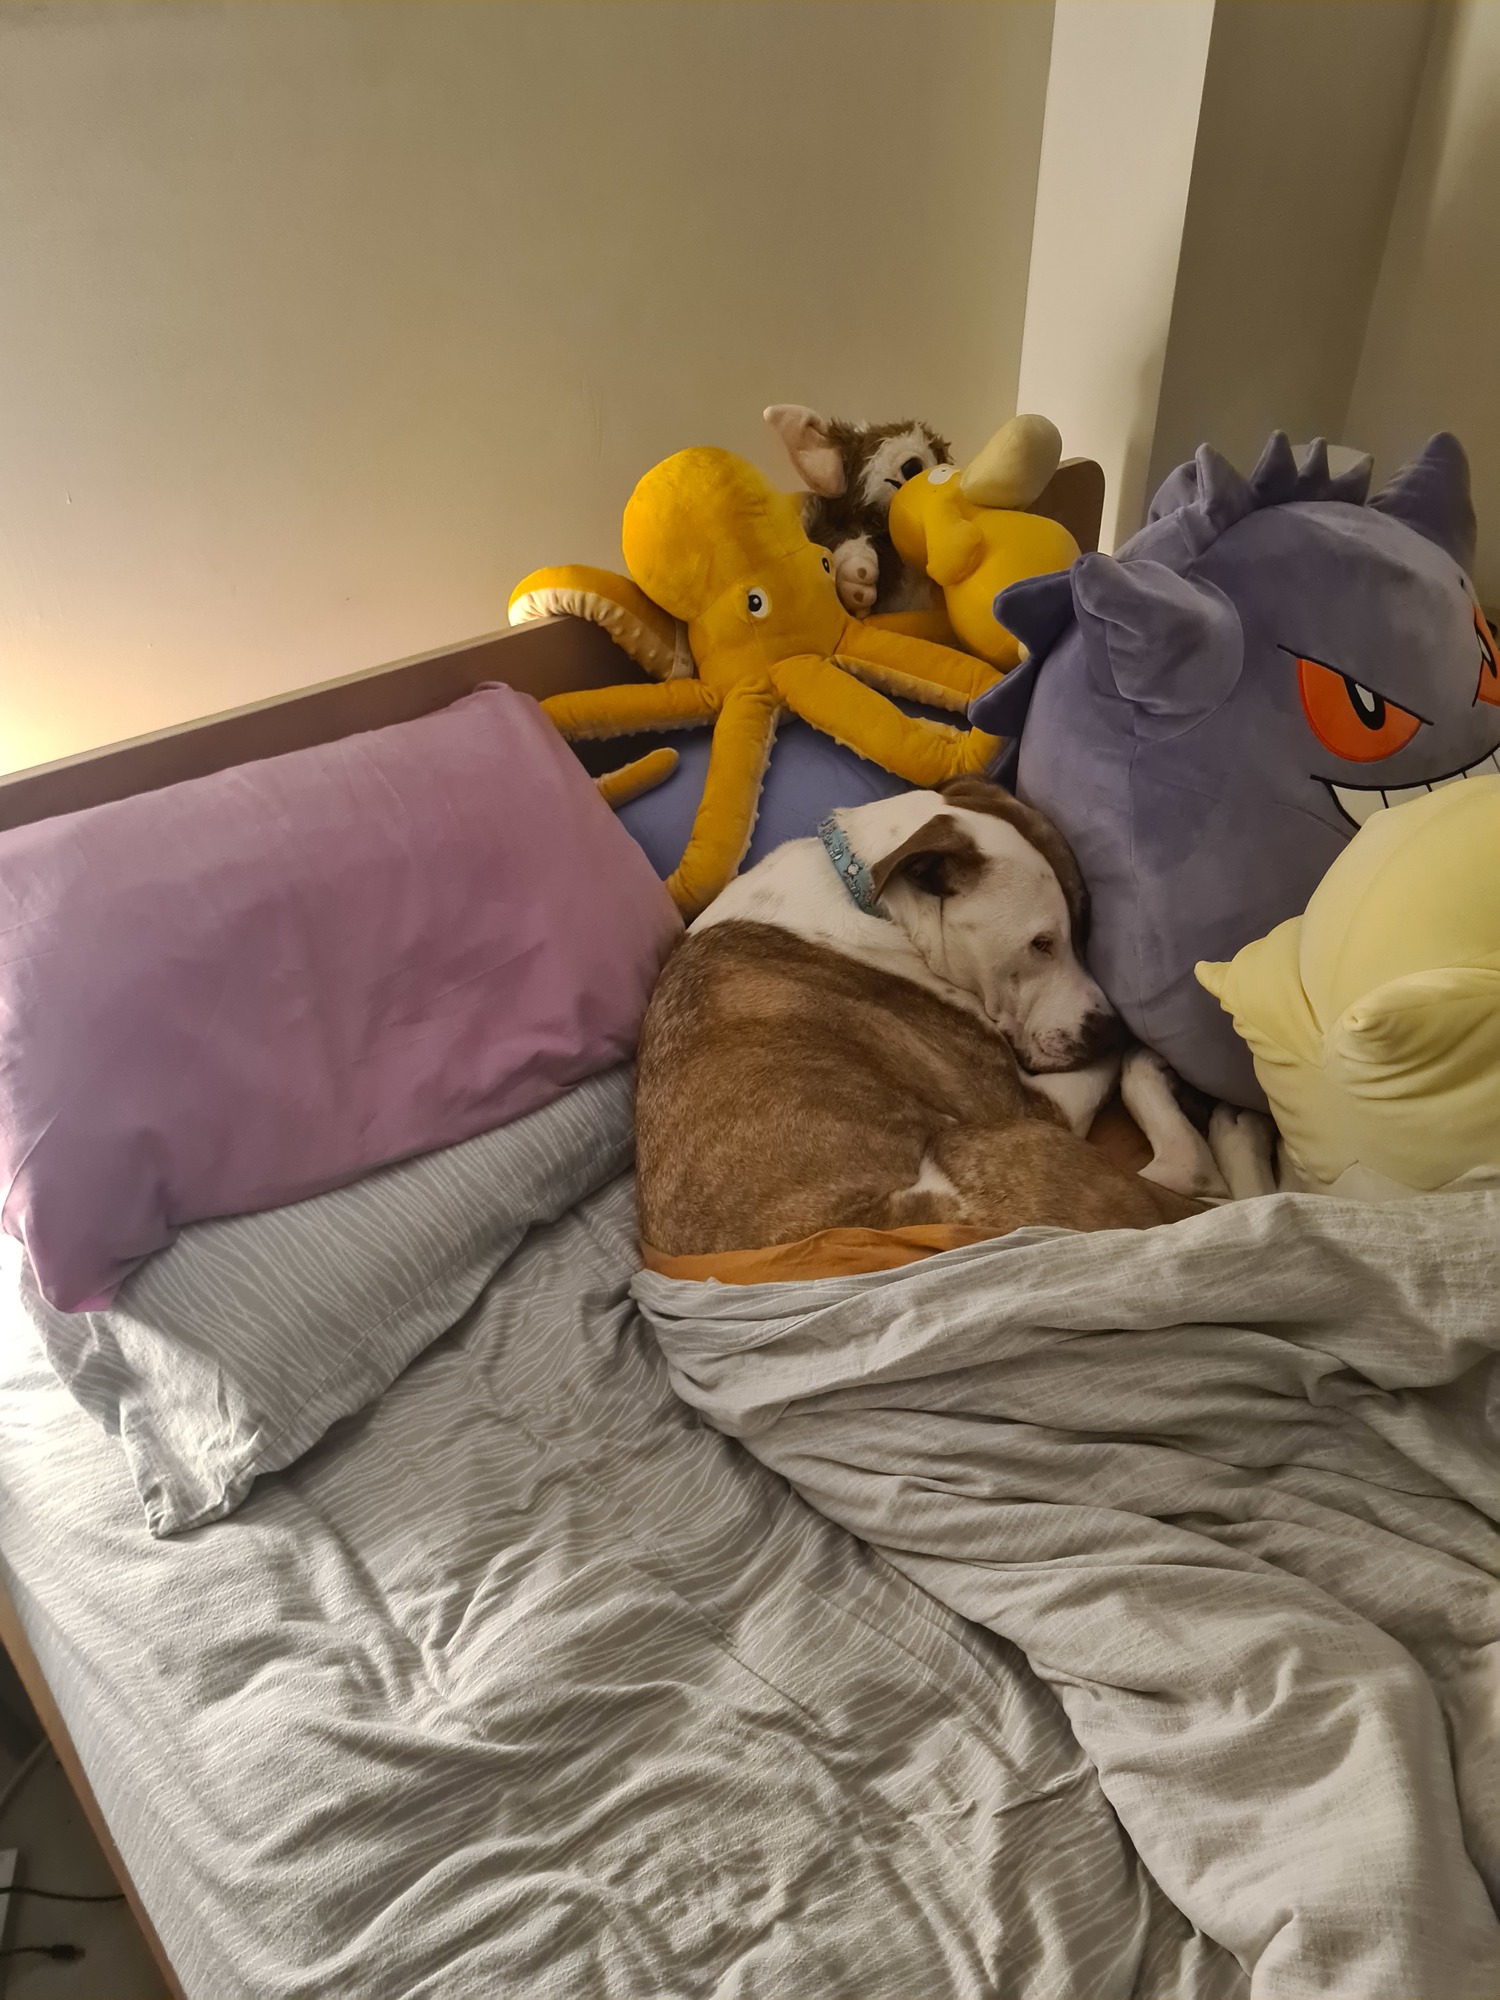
[1374, 1018]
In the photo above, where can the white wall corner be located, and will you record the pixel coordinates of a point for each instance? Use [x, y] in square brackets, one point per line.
[1215, 190]
[1124, 90]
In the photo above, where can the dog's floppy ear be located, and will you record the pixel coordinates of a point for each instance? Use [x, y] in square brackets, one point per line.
[940, 858]
[808, 445]
[979, 795]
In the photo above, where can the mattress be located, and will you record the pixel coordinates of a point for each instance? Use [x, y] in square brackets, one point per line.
[526, 1681]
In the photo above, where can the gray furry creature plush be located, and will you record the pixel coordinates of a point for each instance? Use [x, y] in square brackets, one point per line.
[851, 471]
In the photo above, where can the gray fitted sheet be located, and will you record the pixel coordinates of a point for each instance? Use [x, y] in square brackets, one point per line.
[527, 1682]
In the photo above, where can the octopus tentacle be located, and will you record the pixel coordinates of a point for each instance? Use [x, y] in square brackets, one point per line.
[631, 781]
[616, 711]
[900, 664]
[743, 736]
[924, 753]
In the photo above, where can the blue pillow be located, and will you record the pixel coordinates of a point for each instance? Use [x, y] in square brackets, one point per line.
[809, 777]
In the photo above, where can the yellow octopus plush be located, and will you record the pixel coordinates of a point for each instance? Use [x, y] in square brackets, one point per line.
[710, 542]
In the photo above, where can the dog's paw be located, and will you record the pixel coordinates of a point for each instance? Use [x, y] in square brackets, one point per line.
[1180, 1156]
[856, 572]
[1243, 1144]
[1188, 1169]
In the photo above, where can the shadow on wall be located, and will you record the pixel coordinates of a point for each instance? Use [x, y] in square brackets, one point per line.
[1430, 353]
[1137, 473]
[1287, 222]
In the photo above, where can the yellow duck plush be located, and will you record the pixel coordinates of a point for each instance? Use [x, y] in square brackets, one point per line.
[971, 532]
[1374, 1018]
[711, 543]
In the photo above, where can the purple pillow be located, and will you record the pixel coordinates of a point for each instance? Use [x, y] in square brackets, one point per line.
[257, 986]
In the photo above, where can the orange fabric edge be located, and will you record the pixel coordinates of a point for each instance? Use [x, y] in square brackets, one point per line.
[831, 1253]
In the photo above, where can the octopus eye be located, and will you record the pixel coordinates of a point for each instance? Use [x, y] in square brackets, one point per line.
[828, 565]
[757, 603]
[910, 467]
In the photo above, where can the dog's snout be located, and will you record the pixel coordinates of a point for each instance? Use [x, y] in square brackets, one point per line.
[1101, 1033]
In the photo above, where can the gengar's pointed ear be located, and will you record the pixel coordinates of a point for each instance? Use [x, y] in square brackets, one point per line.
[940, 858]
[1274, 480]
[1172, 647]
[1001, 709]
[1432, 495]
[1037, 610]
[1209, 483]
[805, 435]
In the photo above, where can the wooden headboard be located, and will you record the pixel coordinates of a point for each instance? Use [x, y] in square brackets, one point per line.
[549, 657]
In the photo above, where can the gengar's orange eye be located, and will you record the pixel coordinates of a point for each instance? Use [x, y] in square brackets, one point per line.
[1489, 665]
[1350, 719]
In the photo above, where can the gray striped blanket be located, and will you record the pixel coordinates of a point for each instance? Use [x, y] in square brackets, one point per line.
[1233, 1489]
[525, 1682]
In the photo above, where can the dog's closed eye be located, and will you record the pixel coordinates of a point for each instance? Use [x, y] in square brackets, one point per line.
[1044, 945]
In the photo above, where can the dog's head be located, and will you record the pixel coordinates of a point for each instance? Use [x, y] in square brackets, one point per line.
[990, 896]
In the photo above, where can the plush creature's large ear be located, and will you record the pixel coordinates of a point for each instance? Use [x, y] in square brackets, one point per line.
[1174, 648]
[1037, 610]
[805, 435]
[940, 858]
[1432, 495]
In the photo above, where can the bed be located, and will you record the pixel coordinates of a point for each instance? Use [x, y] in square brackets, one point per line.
[634, 1640]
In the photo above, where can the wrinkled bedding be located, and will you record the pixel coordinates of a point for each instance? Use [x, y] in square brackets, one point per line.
[525, 1681]
[1233, 1489]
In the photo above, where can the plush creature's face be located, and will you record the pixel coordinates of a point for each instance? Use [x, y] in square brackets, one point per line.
[864, 465]
[1368, 674]
[1229, 701]
[881, 458]
[1387, 686]
[710, 539]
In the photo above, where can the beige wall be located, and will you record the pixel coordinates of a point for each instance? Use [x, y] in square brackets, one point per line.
[1216, 182]
[1123, 96]
[1431, 358]
[321, 324]
[1305, 116]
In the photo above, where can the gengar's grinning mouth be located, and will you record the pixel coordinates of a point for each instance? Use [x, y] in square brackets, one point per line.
[1357, 802]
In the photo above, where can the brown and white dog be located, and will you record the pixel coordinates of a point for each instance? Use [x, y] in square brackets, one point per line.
[889, 1025]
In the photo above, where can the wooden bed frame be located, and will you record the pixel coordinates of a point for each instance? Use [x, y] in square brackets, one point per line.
[549, 657]
[552, 656]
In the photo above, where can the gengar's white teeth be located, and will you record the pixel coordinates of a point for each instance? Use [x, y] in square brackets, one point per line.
[1359, 802]
[1358, 805]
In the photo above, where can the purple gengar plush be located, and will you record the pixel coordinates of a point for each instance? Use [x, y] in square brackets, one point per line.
[1211, 714]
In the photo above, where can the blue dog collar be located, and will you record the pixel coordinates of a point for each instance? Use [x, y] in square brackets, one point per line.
[851, 871]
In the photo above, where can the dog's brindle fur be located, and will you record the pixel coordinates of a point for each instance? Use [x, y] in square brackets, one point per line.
[785, 1088]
